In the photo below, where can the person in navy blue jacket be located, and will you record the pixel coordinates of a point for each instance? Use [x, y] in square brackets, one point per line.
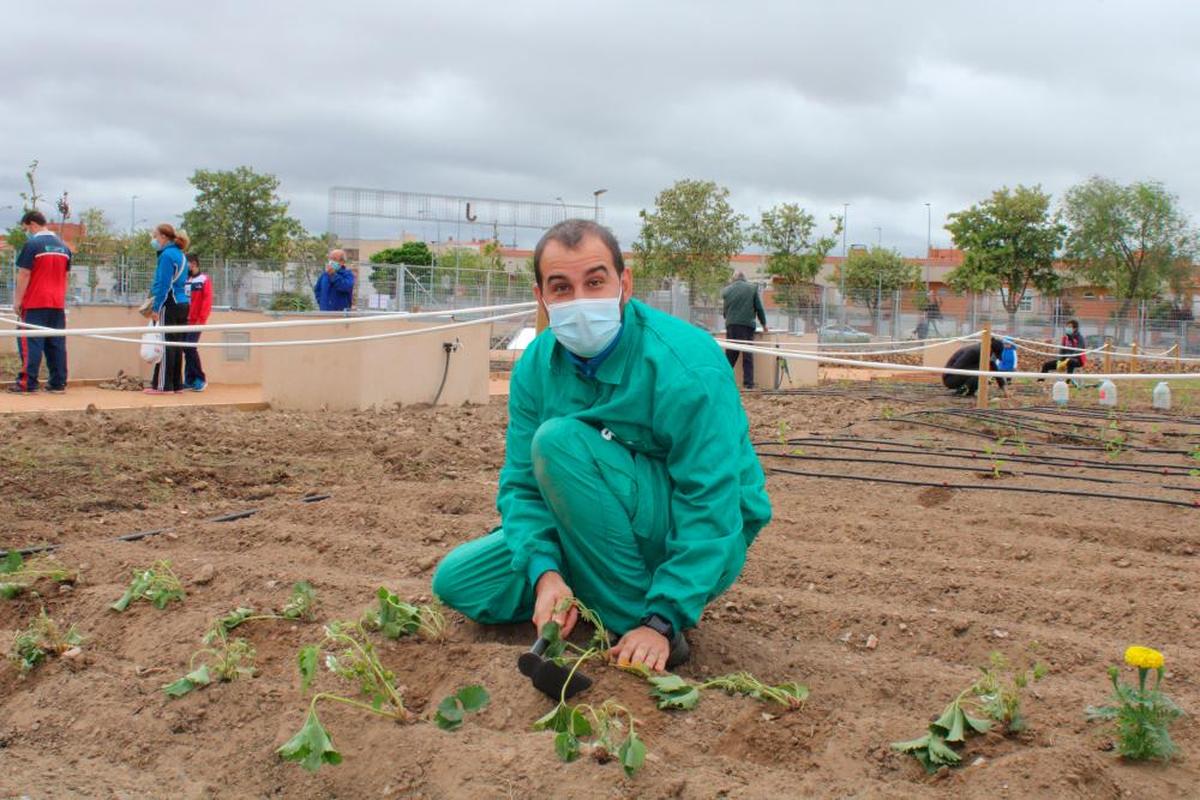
[334, 290]
[169, 305]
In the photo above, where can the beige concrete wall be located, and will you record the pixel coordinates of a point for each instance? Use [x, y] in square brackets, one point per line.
[355, 375]
[379, 373]
[938, 355]
[769, 371]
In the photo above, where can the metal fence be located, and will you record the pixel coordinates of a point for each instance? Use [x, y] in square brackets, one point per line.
[895, 316]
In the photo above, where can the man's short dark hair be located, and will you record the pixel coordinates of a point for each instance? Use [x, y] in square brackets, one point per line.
[33, 218]
[1073, 322]
[193, 259]
[569, 233]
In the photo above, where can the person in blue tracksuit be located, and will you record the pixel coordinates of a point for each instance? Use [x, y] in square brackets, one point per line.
[169, 306]
[334, 290]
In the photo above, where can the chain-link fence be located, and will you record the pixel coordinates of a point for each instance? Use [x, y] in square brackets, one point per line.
[867, 316]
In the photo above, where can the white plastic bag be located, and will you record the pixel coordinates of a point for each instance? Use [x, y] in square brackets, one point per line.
[152, 346]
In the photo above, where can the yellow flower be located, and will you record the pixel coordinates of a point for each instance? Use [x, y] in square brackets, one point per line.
[1143, 658]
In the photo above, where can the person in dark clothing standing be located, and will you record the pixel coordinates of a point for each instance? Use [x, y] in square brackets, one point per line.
[169, 306]
[968, 358]
[1070, 351]
[40, 300]
[742, 305]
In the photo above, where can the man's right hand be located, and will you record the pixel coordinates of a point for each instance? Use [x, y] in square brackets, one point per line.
[550, 592]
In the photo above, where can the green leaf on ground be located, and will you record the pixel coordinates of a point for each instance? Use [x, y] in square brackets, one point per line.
[632, 754]
[449, 715]
[193, 680]
[311, 746]
[307, 661]
[567, 746]
[473, 697]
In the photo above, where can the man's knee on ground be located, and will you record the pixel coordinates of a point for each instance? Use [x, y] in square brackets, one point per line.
[555, 439]
[447, 582]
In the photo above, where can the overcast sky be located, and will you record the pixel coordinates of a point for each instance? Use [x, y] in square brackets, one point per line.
[884, 105]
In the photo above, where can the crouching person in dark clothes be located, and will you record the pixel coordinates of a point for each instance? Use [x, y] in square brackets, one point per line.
[968, 358]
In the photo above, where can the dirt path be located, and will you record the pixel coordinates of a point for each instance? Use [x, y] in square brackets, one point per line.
[940, 577]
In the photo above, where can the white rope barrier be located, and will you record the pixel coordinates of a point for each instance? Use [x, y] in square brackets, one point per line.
[1163, 356]
[249, 326]
[296, 342]
[888, 352]
[1116, 376]
[936, 340]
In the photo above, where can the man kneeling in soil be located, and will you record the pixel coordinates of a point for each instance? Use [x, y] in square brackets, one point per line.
[629, 479]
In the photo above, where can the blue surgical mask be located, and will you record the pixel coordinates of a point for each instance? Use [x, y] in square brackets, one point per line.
[587, 326]
[155, 243]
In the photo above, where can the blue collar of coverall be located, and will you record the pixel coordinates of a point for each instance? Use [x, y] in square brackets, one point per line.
[588, 367]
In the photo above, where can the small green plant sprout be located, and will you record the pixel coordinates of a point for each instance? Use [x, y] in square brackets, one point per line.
[998, 690]
[783, 431]
[41, 639]
[227, 660]
[604, 731]
[673, 692]
[887, 412]
[935, 749]
[350, 655]
[301, 606]
[159, 585]
[1114, 441]
[394, 618]
[467, 700]
[17, 575]
[1142, 715]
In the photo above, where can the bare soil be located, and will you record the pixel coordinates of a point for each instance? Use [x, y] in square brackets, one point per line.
[940, 575]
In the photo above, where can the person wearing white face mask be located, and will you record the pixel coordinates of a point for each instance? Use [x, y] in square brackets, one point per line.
[629, 479]
[334, 289]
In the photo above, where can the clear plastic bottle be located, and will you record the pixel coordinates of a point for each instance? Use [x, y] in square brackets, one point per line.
[1108, 393]
[1060, 393]
[1161, 398]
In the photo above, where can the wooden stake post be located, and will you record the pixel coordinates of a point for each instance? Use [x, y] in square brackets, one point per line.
[985, 363]
[1178, 357]
[1108, 348]
[1133, 357]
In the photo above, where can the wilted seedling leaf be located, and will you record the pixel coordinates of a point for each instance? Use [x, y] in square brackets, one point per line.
[632, 754]
[193, 680]
[12, 562]
[449, 714]
[302, 604]
[307, 661]
[311, 746]
[473, 697]
[672, 691]
[566, 745]
[558, 719]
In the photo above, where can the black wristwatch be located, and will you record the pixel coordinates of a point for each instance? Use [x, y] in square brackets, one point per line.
[659, 625]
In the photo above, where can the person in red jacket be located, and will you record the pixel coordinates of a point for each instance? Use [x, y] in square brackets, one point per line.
[200, 290]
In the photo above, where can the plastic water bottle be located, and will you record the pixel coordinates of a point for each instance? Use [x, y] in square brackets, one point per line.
[1161, 398]
[1108, 393]
[1060, 393]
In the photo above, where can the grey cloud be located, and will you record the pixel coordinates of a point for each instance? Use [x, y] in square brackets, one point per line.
[884, 105]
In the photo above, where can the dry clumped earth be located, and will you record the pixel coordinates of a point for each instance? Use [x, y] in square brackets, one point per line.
[940, 577]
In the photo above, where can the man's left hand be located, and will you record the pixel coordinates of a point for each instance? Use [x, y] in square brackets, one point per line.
[642, 646]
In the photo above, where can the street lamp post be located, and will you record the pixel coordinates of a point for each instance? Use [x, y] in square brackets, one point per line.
[928, 242]
[596, 196]
[878, 236]
[132, 212]
[562, 203]
[842, 271]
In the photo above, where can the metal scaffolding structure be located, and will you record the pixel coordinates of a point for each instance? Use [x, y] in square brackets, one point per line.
[348, 205]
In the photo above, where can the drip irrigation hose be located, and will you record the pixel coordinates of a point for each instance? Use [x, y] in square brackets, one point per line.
[1049, 461]
[139, 535]
[1176, 419]
[449, 348]
[986, 488]
[976, 469]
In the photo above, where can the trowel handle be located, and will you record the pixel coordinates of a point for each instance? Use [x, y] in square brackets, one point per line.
[531, 659]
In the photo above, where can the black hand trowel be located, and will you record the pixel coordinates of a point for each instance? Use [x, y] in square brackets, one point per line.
[548, 677]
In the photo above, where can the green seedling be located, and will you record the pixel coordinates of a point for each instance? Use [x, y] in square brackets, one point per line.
[1114, 441]
[783, 431]
[1143, 716]
[673, 692]
[605, 731]
[395, 618]
[452, 709]
[998, 690]
[41, 639]
[350, 655]
[159, 585]
[227, 660]
[301, 606]
[17, 575]
[935, 749]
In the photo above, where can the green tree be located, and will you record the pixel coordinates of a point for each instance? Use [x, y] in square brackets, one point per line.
[383, 276]
[1128, 239]
[794, 254]
[238, 214]
[1009, 242]
[692, 233]
[872, 274]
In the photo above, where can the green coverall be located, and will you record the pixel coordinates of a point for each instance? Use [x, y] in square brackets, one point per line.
[639, 485]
